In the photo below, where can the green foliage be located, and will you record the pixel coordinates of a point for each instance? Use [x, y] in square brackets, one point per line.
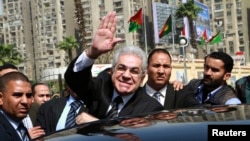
[9, 55]
[188, 9]
[68, 44]
[191, 11]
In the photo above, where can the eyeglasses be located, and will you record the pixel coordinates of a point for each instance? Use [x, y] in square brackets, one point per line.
[135, 72]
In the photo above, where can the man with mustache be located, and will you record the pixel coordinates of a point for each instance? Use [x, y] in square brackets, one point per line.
[15, 102]
[212, 89]
[159, 72]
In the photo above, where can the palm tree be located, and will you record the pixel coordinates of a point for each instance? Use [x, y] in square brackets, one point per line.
[191, 11]
[79, 17]
[9, 54]
[67, 45]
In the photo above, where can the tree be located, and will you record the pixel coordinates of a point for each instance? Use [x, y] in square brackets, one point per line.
[79, 17]
[9, 55]
[191, 11]
[67, 45]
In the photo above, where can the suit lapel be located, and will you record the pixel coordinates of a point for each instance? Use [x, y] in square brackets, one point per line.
[131, 105]
[9, 128]
[170, 97]
[59, 106]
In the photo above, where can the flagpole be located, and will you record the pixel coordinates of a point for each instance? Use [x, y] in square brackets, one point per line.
[206, 49]
[144, 28]
[173, 49]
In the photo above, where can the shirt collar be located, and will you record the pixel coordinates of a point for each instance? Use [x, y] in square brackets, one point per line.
[125, 98]
[71, 99]
[150, 91]
[209, 95]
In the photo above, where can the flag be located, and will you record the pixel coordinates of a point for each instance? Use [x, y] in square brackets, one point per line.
[183, 32]
[204, 37]
[239, 53]
[167, 27]
[215, 39]
[135, 21]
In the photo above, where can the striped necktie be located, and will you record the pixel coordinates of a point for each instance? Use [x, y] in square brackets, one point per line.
[71, 117]
[114, 110]
[23, 132]
[157, 96]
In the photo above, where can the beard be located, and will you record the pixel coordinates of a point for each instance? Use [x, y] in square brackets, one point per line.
[211, 84]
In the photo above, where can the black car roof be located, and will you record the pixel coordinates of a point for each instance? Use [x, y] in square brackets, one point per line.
[177, 124]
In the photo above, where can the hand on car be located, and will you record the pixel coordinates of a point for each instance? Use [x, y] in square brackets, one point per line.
[84, 118]
[36, 132]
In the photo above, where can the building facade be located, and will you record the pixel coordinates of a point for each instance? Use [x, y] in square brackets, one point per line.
[35, 27]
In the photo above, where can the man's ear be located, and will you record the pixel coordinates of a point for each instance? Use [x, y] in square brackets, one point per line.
[144, 79]
[227, 76]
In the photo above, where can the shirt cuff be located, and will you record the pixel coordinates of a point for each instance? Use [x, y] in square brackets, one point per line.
[82, 62]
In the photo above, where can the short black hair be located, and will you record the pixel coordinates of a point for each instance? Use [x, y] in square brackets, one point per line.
[225, 58]
[11, 76]
[8, 66]
[158, 50]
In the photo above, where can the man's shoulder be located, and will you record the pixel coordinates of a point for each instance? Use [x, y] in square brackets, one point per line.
[243, 80]
[194, 83]
[54, 102]
[4, 122]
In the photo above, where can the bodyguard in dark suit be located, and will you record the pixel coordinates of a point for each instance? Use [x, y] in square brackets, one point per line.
[52, 114]
[15, 102]
[158, 85]
[128, 71]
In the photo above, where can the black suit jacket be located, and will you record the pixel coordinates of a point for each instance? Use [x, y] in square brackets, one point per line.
[170, 98]
[99, 91]
[7, 131]
[33, 112]
[179, 99]
[49, 113]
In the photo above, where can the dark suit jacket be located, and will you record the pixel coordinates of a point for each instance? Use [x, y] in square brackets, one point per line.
[7, 132]
[98, 92]
[33, 111]
[49, 113]
[186, 98]
[170, 98]
[178, 99]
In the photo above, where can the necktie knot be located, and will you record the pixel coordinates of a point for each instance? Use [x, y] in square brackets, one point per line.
[76, 104]
[114, 107]
[117, 100]
[157, 96]
[71, 117]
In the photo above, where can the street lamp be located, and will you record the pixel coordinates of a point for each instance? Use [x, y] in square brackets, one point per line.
[183, 44]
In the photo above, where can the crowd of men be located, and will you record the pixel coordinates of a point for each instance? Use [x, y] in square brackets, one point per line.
[113, 93]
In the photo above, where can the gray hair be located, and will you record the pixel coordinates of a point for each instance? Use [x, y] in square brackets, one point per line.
[135, 50]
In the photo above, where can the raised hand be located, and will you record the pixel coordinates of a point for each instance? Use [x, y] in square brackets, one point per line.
[104, 40]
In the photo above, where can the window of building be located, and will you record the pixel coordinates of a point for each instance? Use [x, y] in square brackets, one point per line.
[218, 14]
[217, 1]
[218, 7]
